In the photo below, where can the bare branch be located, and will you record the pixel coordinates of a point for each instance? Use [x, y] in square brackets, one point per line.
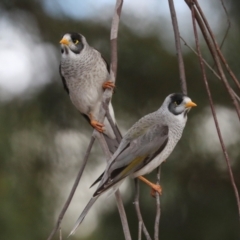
[141, 224]
[113, 74]
[216, 45]
[214, 49]
[158, 207]
[178, 47]
[139, 230]
[209, 67]
[229, 24]
[60, 234]
[123, 215]
[69, 199]
[113, 38]
[214, 112]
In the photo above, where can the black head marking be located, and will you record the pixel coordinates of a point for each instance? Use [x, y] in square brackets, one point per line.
[75, 37]
[176, 100]
[77, 41]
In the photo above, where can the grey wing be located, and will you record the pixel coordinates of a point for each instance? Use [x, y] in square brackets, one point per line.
[164, 141]
[137, 130]
[63, 80]
[134, 156]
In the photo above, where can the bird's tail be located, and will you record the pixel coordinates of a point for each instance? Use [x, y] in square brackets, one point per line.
[83, 214]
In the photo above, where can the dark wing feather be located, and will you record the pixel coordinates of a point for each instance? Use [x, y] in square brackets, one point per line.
[63, 80]
[118, 169]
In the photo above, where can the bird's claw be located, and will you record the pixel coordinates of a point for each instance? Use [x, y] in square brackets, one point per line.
[97, 125]
[108, 85]
[156, 188]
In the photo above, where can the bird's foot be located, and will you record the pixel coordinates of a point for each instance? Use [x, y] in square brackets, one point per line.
[156, 188]
[97, 125]
[109, 85]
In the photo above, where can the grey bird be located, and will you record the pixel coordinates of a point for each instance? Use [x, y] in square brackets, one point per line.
[144, 147]
[85, 75]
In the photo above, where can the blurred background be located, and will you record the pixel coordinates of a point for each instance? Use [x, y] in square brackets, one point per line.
[43, 138]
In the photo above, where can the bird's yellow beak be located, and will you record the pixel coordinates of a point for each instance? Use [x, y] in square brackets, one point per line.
[64, 41]
[190, 104]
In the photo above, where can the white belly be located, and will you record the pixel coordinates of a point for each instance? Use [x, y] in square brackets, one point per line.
[85, 98]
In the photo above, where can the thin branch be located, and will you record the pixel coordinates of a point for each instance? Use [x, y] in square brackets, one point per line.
[139, 230]
[60, 234]
[113, 38]
[108, 93]
[228, 26]
[216, 45]
[214, 52]
[228, 21]
[178, 47]
[69, 199]
[214, 112]
[158, 207]
[123, 215]
[141, 224]
[209, 67]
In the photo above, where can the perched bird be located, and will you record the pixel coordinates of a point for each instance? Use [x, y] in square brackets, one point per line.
[145, 146]
[85, 75]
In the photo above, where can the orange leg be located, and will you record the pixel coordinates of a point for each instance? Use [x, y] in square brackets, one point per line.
[95, 124]
[108, 84]
[155, 187]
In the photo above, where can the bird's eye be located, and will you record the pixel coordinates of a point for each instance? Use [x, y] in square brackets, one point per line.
[178, 102]
[75, 42]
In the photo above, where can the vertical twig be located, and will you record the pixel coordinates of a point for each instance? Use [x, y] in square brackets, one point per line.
[113, 39]
[214, 112]
[178, 47]
[60, 234]
[113, 74]
[139, 230]
[158, 207]
[69, 199]
[123, 216]
[141, 224]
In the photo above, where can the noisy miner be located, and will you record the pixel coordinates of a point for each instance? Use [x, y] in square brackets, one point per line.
[144, 147]
[85, 75]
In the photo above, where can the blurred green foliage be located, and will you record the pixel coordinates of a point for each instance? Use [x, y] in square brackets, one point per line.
[198, 201]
